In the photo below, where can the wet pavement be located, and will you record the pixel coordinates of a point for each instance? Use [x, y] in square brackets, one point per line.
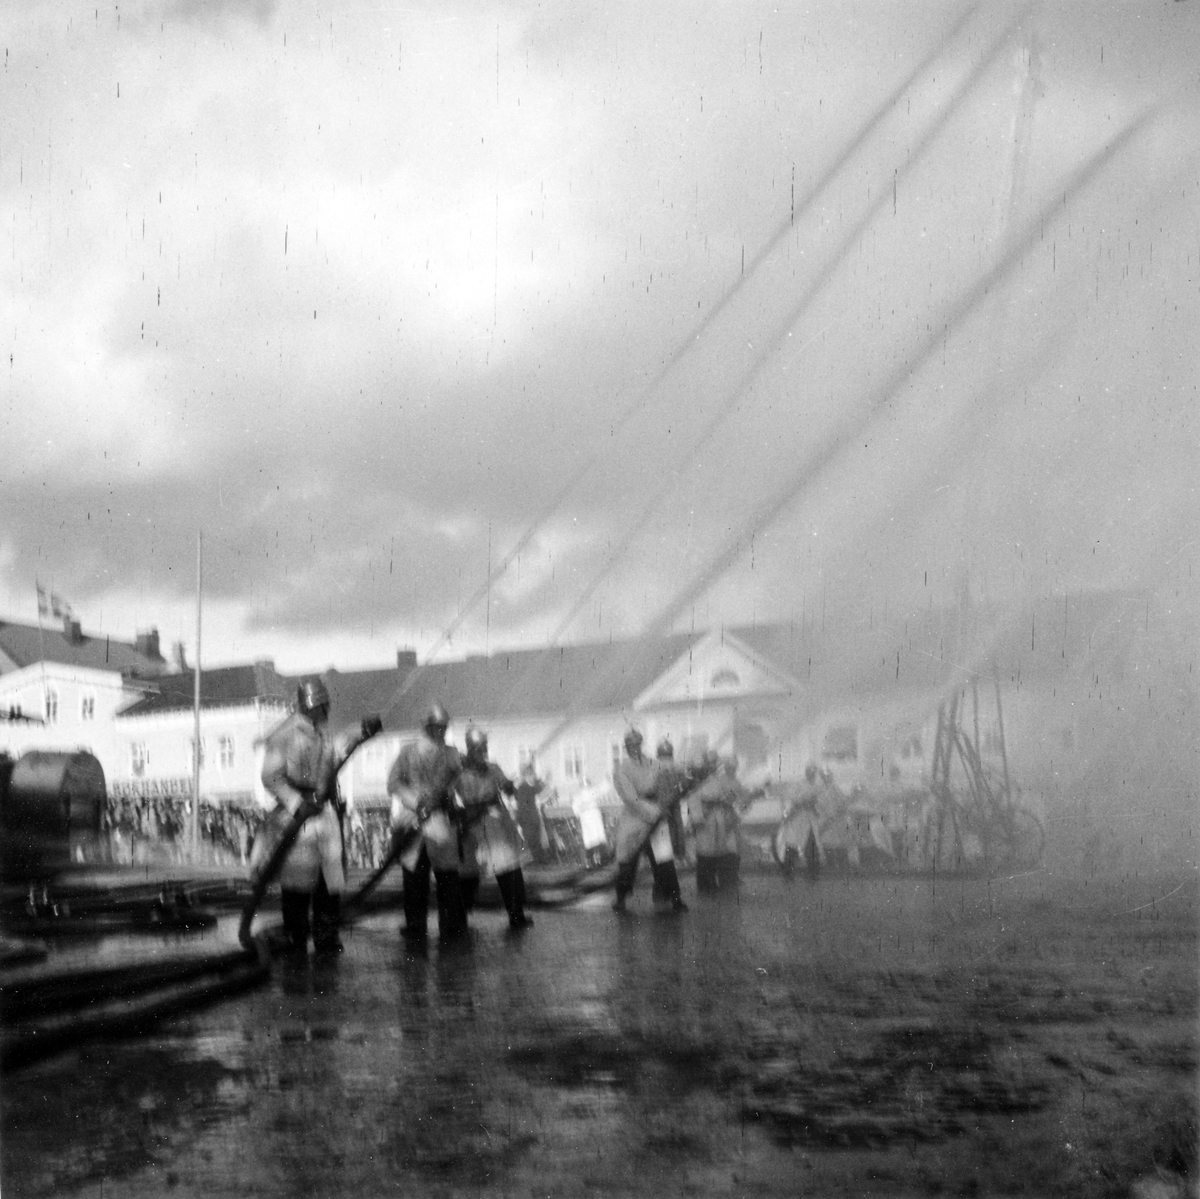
[890, 1036]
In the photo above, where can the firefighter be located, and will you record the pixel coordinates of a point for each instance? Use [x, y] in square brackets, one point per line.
[300, 765]
[643, 825]
[420, 784]
[489, 834]
[673, 781]
[798, 836]
[715, 808]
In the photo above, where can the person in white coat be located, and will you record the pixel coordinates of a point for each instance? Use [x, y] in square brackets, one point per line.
[300, 765]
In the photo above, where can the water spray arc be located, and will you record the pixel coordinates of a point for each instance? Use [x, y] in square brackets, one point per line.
[649, 392]
[851, 428]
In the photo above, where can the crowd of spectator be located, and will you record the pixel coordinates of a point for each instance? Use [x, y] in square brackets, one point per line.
[141, 830]
[154, 830]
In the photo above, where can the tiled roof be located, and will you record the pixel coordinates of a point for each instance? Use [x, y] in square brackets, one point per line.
[26, 644]
[222, 687]
[839, 663]
[605, 676]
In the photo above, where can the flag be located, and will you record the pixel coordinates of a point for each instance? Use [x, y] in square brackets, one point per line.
[43, 599]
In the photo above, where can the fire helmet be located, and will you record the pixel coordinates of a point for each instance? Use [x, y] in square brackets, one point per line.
[633, 741]
[311, 695]
[665, 749]
[476, 741]
[437, 718]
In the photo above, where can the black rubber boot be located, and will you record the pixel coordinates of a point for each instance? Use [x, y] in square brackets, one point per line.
[790, 858]
[468, 884]
[667, 884]
[812, 856]
[327, 916]
[452, 916]
[626, 874]
[707, 879]
[294, 907]
[512, 891]
[416, 902]
[731, 868]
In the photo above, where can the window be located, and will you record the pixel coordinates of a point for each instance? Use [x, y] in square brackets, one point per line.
[138, 757]
[724, 678]
[841, 744]
[51, 706]
[224, 750]
[192, 752]
[912, 749]
[87, 706]
[573, 762]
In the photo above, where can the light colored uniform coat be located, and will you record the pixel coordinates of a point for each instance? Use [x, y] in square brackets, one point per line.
[713, 807]
[301, 759]
[419, 775]
[637, 784]
[493, 839]
[800, 821]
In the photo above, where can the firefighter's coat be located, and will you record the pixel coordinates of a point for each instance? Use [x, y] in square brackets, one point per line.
[302, 759]
[637, 783]
[421, 777]
[491, 839]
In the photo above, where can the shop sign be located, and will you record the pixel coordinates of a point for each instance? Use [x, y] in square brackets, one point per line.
[172, 788]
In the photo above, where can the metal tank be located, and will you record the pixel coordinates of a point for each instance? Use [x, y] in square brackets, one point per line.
[49, 800]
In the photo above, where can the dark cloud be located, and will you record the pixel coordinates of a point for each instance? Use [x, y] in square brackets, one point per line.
[360, 308]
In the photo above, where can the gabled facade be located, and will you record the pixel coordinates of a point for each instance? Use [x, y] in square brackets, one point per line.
[56, 705]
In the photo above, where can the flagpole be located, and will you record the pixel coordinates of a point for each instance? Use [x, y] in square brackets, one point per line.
[195, 829]
[41, 646]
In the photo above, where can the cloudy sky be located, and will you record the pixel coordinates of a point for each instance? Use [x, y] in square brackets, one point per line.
[647, 313]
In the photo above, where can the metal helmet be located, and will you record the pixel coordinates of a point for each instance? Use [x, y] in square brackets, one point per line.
[437, 718]
[311, 695]
[633, 741]
[476, 742]
[665, 749]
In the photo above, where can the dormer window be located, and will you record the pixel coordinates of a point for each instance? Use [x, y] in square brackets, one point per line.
[724, 678]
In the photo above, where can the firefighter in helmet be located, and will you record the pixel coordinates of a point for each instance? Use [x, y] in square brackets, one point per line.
[421, 785]
[716, 807]
[490, 837]
[643, 825]
[798, 838]
[300, 765]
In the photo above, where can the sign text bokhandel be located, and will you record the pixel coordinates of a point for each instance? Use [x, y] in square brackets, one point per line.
[176, 788]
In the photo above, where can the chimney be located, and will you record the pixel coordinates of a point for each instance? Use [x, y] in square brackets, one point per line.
[406, 660]
[146, 644]
[266, 682]
[179, 657]
[72, 630]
